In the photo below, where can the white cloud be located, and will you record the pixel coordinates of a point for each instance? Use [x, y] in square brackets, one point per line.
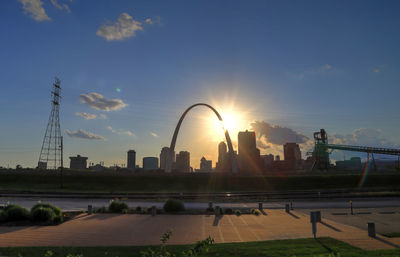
[153, 134]
[148, 21]
[121, 131]
[324, 69]
[125, 27]
[98, 102]
[103, 116]
[83, 135]
[34, 9]
[86, 116]
[60, 6]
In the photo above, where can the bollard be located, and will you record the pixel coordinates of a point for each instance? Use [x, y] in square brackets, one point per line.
[314, 219]
[260, 206]
[153, 210]
[291, 205]
[210, 205]
[90, 209]
[371, 229]
[217, 211]
[287, 208]
[351, 207]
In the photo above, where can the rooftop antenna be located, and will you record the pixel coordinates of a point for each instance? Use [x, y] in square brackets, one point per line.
[52, 147]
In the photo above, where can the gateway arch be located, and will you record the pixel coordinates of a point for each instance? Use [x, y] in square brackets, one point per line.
[173, 142]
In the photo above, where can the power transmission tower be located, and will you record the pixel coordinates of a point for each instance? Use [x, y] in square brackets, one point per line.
[51, 152]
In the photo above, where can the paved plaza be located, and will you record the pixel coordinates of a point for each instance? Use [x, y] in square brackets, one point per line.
[130, 229]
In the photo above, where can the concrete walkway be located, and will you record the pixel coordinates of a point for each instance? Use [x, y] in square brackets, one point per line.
[129, 229]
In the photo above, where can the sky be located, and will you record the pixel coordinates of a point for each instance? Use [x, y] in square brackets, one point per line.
[129, 69]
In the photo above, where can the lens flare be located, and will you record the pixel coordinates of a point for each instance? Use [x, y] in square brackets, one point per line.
[365, 172]
[118, 90]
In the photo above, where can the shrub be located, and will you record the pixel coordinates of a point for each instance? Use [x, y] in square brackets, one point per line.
[16, 213]
[117, 207]
[238, 213]
[210, 209]
[43, 214]
[102, 210]
[228, 211]
[3, 216]
[58, 215]
[138, 209]
[173, 205]
[255, 212]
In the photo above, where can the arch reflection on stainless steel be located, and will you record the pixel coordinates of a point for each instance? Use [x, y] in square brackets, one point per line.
[168, 168]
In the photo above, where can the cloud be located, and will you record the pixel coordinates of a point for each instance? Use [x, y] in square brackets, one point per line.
[153, 134]
[121, 131]
[98, 102]
[276, 134]
[125, 27]
[35, 10]
[362, 137]
[83, 135]
[148, 21]
[60, 6]
[324, 69]
[86, 116]
[103, 116]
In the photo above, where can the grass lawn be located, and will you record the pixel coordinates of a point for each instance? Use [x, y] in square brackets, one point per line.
[292, 247]
[75, 181]
[394, 234]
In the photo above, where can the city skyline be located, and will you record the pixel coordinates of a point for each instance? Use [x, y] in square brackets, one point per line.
[125, 89]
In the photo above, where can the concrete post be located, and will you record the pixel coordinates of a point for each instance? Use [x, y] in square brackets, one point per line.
[371, 229]
[90, 209]
[153, 210]
[217, 211]
[287, 208]
[260, 206]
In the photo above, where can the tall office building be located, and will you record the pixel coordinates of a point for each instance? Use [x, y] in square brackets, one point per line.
[205, 165]
[78, 162]
[249, 155]
[131, 165]
[223, 163]
[150, 163]
[182, 163]
[292, 155]
[164, 157]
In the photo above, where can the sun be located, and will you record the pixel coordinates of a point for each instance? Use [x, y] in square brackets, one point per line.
[230, 121]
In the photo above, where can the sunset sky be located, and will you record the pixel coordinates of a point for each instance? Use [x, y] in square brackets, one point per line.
[129, 69]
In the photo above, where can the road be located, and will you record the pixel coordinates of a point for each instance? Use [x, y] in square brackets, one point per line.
[81, 204]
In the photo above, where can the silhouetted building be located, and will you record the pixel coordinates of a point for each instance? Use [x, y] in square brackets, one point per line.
[182, 163]
[150, 163]
[165, 151]
[268, 160]
[131, 165]
[78, 162]
[223, 163]
[353, 164]
[249, 156]
[205, 165]
[292, 154]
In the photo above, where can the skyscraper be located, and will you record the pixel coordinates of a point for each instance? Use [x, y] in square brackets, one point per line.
[150, 163]
[249, 155]
[183, 161]
[223, 163]
[205, 165]
[292, 155]
[164, 157]
[131, 160]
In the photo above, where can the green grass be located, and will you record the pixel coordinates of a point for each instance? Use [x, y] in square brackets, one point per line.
[393, 234]
[107, 182]
[292, 247]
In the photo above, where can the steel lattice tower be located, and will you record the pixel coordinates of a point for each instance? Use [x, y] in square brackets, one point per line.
[51, 152]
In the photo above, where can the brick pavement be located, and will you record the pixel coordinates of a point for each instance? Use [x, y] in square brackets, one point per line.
[129, 229]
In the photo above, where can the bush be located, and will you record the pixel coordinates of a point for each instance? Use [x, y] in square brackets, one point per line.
[102, 210]
[238, 213]
[58, 215]
[3, 216]
[117, 207]
[228, 211]
[255, 212]
[43, 214]
[138, 209]
[173, 205]
[16, 213]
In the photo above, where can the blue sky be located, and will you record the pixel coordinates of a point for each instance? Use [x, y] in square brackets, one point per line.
[304, 65]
